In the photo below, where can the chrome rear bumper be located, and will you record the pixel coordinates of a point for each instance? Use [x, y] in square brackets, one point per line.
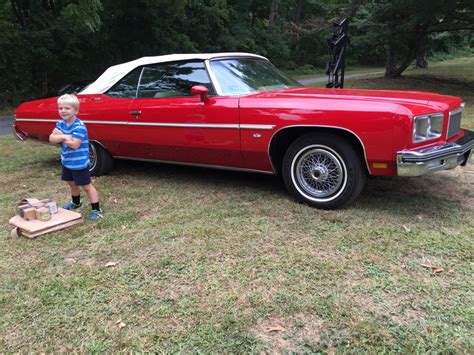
[20, 135]
[440, 157]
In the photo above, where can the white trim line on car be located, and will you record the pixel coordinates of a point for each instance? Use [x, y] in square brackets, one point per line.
[184, 125]
[35, 120]
[220, 167]
[120, 123]
[267, 127]
[56, 120]
[156, 124]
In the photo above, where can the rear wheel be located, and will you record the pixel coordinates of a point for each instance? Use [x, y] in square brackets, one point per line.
[101, 162]
[323, 171]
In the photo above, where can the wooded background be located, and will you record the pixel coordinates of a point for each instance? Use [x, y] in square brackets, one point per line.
[47, 43]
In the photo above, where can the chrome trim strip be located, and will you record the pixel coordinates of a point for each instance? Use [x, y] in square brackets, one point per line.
[220, 167]
[184, 125]
[213, 78]
[317, 126]
[139, 81]
[16, 134]
[266, 127]
[155, 124]
[119, 123]
[56, 120]
[35, 120]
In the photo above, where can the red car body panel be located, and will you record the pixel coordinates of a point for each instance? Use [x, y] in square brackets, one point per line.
[380, 120]
[240, 131]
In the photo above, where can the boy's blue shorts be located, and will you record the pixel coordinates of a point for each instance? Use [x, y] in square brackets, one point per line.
[80, 177]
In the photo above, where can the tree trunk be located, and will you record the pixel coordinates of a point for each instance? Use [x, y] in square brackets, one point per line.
[422, 60]
[395, 69]
[273, 13]
[299, 11]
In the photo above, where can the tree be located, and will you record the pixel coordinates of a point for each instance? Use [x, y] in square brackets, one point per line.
[404, 27]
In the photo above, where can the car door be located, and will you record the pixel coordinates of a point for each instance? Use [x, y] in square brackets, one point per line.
[166, 123]
[106, 115]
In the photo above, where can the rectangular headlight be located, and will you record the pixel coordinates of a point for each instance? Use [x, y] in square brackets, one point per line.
[427, 127]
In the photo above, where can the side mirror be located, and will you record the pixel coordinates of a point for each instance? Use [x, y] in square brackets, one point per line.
[200, 90]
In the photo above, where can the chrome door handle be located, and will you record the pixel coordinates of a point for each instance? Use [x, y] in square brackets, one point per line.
[135, 113]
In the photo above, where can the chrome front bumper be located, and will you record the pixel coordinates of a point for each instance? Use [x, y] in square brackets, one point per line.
[441, 157]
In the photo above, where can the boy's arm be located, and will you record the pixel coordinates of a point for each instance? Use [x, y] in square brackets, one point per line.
[75, 139]
[58, 138]
[57, 135]
[72, 142]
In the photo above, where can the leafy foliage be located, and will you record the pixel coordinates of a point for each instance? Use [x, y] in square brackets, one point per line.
[44, 44]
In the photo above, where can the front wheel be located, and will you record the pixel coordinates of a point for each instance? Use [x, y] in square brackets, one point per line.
[323, 171]
[101, 162]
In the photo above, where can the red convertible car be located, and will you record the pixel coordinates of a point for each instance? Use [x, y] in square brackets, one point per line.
[237, 111]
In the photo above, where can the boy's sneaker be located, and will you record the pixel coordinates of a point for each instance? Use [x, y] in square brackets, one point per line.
[71, 206]
[95, 215]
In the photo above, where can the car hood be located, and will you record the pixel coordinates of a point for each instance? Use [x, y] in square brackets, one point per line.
[413, 100]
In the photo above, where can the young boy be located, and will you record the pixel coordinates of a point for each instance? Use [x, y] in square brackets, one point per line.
[71, 133]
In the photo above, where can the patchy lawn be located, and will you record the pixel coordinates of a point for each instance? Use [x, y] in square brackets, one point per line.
[226, 262]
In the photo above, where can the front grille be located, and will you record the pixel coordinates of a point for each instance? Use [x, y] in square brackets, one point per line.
[454, 123]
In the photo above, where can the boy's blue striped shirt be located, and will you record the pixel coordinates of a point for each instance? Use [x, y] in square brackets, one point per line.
[75, 159]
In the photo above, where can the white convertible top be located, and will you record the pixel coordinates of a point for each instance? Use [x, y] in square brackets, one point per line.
[117, 72]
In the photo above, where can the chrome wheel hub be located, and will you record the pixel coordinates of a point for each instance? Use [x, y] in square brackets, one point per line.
[319, 173]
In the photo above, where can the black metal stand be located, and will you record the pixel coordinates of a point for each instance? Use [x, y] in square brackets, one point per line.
[337, 55]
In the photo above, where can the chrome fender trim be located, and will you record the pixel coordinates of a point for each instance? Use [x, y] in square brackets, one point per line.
[220, 167]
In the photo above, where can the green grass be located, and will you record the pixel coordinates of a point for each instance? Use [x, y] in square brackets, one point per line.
[224, 262]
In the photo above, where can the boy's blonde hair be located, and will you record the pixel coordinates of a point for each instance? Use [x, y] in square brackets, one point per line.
[69, 100]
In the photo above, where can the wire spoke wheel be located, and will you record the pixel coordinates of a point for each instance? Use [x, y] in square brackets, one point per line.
[323, 170]
[319, 172]
[92, 156]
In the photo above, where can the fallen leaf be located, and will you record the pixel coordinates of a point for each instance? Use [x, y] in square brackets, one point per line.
[450, 271]
[275, 328]
[438, 270]
[124, 227]
[408, 230]
[427, 266]
[120, 324]
[70, 261]
[111, 263]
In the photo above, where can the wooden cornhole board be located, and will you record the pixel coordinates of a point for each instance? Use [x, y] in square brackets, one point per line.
[35, 228]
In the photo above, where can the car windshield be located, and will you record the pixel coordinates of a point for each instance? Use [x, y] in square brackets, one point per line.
[247, 75]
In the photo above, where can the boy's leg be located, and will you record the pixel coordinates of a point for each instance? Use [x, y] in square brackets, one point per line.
[83, 178]
[94, 198]
[91, 193]
[75, 195]
[75, 190]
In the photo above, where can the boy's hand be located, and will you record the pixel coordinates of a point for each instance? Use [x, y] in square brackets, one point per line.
[56, 131]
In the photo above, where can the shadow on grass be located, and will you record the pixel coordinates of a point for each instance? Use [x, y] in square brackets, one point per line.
[202, 176]
[434, 196]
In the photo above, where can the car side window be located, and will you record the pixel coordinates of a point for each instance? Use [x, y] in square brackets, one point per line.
[173, 79]
[127, 86]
